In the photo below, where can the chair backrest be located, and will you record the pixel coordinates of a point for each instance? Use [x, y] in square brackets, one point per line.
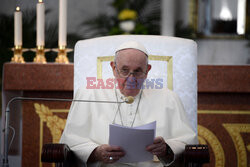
[173, 60]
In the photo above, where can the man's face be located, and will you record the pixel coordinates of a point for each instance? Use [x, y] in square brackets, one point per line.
[130, 70]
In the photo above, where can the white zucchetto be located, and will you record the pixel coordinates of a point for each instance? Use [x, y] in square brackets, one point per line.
[132, 45]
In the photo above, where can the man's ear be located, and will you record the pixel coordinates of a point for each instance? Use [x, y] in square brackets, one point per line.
[112, 64]
[149, 67]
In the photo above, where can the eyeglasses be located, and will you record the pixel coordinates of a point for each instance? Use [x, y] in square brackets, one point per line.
[124, 73]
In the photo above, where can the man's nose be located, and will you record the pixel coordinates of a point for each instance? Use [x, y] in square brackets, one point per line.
[131, 82]
[131, 77]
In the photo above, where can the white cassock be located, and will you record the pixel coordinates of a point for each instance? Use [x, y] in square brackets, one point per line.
[88, 123]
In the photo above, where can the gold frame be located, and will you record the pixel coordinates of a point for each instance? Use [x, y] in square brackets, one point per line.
[46, 116]
[234, 130]
[168, 59]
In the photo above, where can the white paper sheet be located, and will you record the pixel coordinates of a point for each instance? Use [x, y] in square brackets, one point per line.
[133, 141]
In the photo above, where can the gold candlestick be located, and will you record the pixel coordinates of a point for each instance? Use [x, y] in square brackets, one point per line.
[40, 55]
[62, 54]
[18, 52]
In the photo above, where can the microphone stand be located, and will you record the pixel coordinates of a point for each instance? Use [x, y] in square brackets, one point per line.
[7, 117]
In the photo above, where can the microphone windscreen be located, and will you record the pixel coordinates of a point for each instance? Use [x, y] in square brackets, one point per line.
[129, 99]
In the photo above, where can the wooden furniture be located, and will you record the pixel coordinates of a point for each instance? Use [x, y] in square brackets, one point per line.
[36, 122]
[223, 110]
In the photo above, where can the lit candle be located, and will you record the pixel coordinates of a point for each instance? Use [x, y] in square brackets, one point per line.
[18, 41]
[62, 41]
[40, 23]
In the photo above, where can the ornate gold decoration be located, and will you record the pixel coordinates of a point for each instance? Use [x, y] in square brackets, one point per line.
[234, 131]
[248, 147]
[62, 54]
[99, 64]
[168, 59]
[206, 135]
[40, 55]
[223, 112]
[53, 122]
[18, 54]
[57, 124]
[201, 140]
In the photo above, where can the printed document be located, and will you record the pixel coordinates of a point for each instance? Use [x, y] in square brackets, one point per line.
[133, 141]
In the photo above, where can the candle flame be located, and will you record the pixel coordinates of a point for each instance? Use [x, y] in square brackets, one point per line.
[17, 8]
[40, 1]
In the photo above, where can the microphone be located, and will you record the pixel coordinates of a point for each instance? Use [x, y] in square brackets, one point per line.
[5, 162]
[129, 99]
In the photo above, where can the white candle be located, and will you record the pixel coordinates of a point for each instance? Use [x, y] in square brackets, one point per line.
[62, 34]
[18, 39]
[40, 23]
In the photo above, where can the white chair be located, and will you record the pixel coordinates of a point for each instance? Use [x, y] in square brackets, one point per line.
[173, 59]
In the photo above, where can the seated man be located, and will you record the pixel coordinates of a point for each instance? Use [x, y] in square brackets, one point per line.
[87, 127]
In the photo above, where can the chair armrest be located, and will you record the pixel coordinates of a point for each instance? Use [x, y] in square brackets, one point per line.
[196, 154]
[55, 153]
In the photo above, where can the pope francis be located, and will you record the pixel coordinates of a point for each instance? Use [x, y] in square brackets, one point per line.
[87, 127]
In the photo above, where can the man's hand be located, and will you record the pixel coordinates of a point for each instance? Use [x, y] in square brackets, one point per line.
[107, 154]
[158, 148]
